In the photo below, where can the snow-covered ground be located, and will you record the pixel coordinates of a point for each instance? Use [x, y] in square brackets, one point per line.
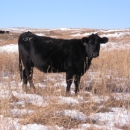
[77, 31]
[112, 120]
[11, 48]
[115, 46]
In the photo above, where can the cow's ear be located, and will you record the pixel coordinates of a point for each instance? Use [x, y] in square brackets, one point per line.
[84, 40]
[103, 40]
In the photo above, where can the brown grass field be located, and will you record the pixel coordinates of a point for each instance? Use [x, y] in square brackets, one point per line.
[111, 72]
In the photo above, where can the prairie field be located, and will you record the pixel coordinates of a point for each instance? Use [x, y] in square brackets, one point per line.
[103, 102]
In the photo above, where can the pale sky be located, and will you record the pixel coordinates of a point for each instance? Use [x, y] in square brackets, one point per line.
[100, 14]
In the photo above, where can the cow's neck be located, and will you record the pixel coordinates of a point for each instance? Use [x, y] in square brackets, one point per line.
[88, 63]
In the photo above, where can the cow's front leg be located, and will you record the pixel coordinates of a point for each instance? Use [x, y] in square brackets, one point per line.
[76, 82]
[69, 79]
[24, 85]
[30, 79]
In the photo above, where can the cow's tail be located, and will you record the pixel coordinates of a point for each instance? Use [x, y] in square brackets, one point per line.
[20, 68]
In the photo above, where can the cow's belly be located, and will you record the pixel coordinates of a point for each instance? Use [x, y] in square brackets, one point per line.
[57, 65]
[48, 66]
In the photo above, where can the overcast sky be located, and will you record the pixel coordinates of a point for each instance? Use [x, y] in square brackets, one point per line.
[100, 14]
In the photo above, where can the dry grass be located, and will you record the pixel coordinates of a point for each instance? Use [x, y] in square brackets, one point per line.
[9, 62]
[112, 71]
[9, 38]
[48, 116]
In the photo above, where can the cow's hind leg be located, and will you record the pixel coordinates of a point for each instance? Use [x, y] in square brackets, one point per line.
[28, 75]
[76, 82]
[30, 79]
[69, 79]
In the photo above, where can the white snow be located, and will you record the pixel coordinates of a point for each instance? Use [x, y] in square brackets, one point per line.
[113, 120]
[98, 99]
[75, 114]
[63, 84]
[96, 127]
[118, 117]
[83, 35]
[12, 124]
[109, 33]
[18, 112]
[11, 48]
[64, 29]
[108, 120]
[19, 29]
[121, 96]
[68, 100]
[35, 127]
[115, 30]
[115, 46]
[40, 34]
[116, 34]
[30, 98]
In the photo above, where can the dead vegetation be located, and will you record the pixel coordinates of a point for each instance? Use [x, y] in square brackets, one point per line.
[111, 74]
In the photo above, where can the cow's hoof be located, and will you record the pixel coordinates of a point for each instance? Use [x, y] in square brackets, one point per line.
[76, 94]
[32, 90]
[67, 94]
[24, 88]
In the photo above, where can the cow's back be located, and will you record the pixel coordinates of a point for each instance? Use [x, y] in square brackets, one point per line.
[49, 54]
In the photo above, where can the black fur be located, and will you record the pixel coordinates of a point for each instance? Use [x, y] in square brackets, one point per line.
[2, 32]
[57, 55]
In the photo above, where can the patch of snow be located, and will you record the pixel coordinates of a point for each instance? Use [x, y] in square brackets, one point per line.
[20, 29]
[113, 45]
[8, 123]
[116, 34]
[121, 96]
[5, 94]
[64, 29]
[19, 103]
[115, 30]
[35, 127]
[39, 34]
[17, 112]
[99, 99]
[11, 48]
[30, 98]
[83, 35]
[63, 84]
[41, 85]
[118, 117]
[68, 100]
[12, 124]
[95, 127]
[75, 114]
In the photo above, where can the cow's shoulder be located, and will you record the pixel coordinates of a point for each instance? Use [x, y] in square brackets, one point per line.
[26, 36]
[77, 44]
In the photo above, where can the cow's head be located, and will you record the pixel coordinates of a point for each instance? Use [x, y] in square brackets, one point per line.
[92, 45]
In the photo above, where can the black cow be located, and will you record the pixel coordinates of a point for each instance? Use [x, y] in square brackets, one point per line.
[7, 32]
[2, 32]
[57, 55]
